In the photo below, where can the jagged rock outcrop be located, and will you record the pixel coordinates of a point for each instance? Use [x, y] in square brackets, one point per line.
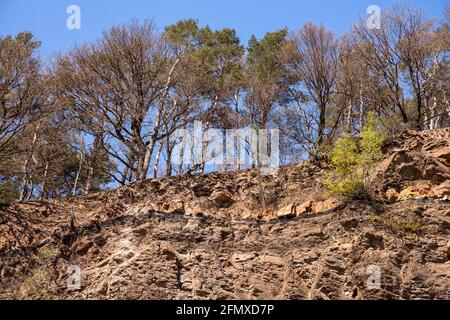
[417, 165]
[242, 236]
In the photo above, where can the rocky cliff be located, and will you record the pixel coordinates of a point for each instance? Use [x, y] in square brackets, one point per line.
[242, 236]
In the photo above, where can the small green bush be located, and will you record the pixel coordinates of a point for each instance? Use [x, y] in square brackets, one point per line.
[351, 160]
[371, 142]
[348, 186]
[345, 155]
[47, 254]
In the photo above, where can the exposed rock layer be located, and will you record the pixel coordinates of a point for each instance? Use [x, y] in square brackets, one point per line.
[243, 236]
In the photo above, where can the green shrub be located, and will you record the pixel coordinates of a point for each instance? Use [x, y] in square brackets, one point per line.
[351, 160]
[345, 155]
[37, 283]
[371, 142]
[47, 254]
[348, 186]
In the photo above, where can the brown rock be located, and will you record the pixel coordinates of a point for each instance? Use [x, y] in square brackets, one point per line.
[84, 247]
[420, 189]
[3, 244]
[326, 205]
[346, 246]
[442, 153]
[407, 193]
[392, 194]
[408, 171]
[194, 210]
[442, 190]
[278, 261]
[177, 207]
[304, 208]
[242, 257]
[222, 198]
[287, 211]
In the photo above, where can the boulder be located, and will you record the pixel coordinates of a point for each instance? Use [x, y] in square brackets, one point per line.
[442, 153]
[177, 207]
[442, 191]
[194, 210]
[326, 205]
[242, 257]
[278, 261]
[295, 209]
[408, 171]
[304, 208]
[3, 246]
[288, 211]
[408, 193]
[222, 198]
[420, 189]
[392, 194]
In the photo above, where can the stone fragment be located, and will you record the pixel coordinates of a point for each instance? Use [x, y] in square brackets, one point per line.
[304, 208]
[278, 261]
[222, 198]
[288, 211]
[392, 194]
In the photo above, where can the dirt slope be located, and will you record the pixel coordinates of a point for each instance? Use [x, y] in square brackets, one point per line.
[243, 236]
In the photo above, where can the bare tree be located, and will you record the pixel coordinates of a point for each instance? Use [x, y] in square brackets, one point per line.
[313, 61]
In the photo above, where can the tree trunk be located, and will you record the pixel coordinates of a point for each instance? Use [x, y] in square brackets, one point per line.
[180, 162]
[128, 170]
[321, 127]
[77, 178]
[31, 180]
[30, 153]
[349, 116]
[205, 136]
[89, 179]
[361, 110]
[24, 191]
[30, 193]
[124, 176]
[44, 182]
[158, 155]
[419, 112]
[148, 153]
[145, 162]
[402, 112]
[90, 163]
[80, 165]
[238, 125]
[434, 120]
[204, 151]
[168, 160]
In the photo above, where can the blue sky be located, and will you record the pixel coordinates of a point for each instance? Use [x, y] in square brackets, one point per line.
[46, 19]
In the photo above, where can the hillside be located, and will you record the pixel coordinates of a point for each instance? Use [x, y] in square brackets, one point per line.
[243, 236]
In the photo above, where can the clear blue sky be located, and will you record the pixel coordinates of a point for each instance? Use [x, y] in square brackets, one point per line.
[46, 19]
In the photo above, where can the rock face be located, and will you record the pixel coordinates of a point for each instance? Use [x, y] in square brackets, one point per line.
[238, 236]
[417, 166]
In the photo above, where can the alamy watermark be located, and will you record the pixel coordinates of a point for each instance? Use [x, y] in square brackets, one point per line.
[253, 147]
[74, 278]
[373, 21]
[73, 21]
[374, 280]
